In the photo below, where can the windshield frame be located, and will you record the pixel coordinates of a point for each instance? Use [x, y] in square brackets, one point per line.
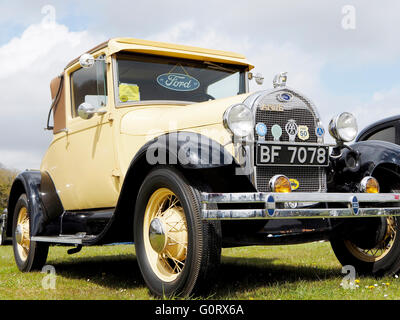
[119, 104]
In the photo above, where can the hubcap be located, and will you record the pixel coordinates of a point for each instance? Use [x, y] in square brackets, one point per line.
[22, 236]
[18, 234]
[157, 235]
[165, 234]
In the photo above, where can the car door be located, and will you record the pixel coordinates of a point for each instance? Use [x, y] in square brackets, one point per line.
[82, 161]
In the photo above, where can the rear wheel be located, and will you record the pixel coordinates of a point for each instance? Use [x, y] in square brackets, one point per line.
[29, 255]
[176, 250]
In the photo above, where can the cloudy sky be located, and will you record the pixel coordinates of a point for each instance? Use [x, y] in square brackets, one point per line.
[343, 58]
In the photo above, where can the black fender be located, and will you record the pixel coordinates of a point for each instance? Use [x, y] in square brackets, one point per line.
[373, 158]
[186, 150]
[45, 207]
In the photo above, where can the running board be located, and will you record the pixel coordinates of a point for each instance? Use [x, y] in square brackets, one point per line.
[70, 239]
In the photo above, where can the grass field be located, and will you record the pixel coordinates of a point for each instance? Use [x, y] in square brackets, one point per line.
[300, 272]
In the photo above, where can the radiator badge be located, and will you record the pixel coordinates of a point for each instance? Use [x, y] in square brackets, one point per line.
[320, 131]
[276, 131]
[284, 97]
[291, 129]
[303, 133]
[272, 107]
[261, 129]
[294, 183]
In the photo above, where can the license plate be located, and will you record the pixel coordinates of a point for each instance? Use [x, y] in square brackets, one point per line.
[287, 154]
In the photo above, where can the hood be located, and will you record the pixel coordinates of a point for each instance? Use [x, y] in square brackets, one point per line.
[154, 119]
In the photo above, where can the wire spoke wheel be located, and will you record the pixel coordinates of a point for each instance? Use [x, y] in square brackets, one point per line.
[22, 233]
[176, 250]
[165, 234]
[380, 250]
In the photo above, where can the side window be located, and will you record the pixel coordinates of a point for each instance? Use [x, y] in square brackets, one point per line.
[90, 86]
[388, 134]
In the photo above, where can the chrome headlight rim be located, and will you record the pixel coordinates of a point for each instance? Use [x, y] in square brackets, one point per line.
[228, 123]
[335, 127]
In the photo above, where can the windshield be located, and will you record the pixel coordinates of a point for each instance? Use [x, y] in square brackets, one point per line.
[145, 78]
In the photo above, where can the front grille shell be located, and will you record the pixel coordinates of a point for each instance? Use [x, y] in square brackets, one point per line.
[311, 179]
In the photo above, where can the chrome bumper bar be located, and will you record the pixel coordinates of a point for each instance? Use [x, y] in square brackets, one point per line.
[284, 205]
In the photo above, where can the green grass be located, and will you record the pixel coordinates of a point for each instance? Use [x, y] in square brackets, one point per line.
[301, 272]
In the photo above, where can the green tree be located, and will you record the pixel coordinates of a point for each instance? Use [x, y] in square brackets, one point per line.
[6, 179]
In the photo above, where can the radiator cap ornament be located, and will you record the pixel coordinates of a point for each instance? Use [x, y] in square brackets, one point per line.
[280, 80]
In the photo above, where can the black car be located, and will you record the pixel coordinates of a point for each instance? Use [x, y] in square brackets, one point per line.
[387, 129]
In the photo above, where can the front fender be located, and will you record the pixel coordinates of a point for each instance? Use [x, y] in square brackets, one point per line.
[186, 149]
[372, 156]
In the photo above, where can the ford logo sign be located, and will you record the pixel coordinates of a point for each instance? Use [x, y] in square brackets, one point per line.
[178, 82]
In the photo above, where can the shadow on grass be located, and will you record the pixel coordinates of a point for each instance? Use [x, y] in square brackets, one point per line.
[234, 274]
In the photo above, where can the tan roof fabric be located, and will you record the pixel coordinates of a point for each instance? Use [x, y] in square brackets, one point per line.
[59, 113]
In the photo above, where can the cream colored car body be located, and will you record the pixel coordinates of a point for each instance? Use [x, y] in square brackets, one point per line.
[88, 159]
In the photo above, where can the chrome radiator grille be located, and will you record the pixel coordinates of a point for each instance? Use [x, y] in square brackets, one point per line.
[311, 179]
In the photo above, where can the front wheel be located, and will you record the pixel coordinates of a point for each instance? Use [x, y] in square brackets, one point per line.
[176, 250]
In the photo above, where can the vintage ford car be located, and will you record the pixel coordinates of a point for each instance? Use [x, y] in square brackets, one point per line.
[165, 146]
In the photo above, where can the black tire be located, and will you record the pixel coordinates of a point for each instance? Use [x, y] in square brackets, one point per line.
[385, 264]
[37, 252]
[203, 238]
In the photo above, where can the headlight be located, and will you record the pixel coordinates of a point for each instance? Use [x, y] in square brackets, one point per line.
[239, 120]
[343, 127]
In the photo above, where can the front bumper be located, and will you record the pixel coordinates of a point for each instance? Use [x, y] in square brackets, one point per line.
[283, 205]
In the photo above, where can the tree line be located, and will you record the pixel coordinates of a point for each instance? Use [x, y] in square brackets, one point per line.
[6, 179]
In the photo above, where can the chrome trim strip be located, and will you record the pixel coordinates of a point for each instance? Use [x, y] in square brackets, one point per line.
[298, 213]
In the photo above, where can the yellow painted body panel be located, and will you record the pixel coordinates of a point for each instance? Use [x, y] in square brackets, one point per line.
[88, 163]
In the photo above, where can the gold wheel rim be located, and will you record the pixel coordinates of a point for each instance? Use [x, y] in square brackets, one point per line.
[169, 260]
[381, 250]
[23, 235]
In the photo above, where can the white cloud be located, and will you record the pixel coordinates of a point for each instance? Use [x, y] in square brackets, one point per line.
[382, 104]
[27, 65]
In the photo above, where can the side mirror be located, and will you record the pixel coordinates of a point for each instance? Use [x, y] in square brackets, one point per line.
[86, 111]
[258, 77]
[86, 60]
